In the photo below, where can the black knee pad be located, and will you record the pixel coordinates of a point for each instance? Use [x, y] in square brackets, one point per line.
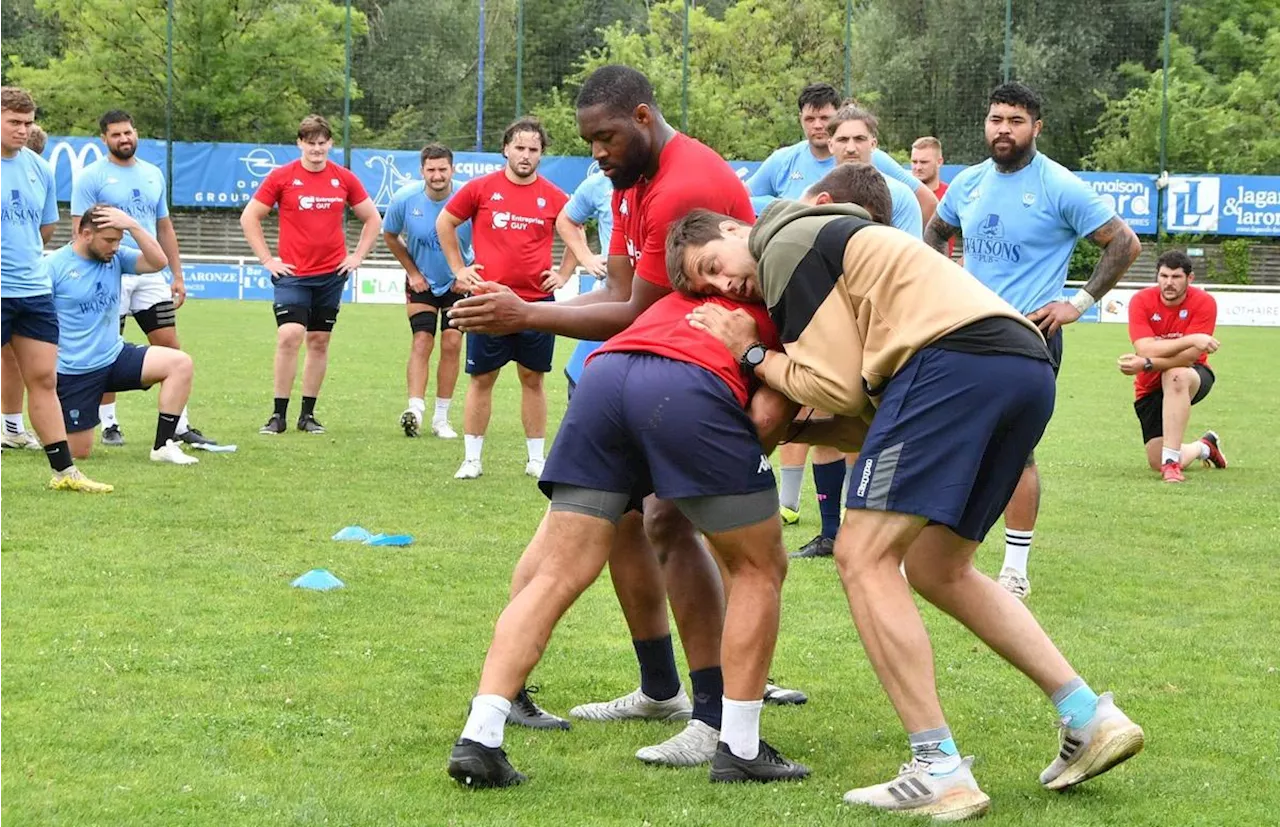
[157, 316]
[424, 322]
[322, 319]
[291, 314]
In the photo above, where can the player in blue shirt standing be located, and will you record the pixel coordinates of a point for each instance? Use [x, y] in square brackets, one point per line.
[93, 357]
[428, 289]
[28, 214]
[592, 199]
[137, 187]
[1020, 215]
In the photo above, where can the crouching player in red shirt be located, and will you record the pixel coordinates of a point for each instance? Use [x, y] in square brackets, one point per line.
[1171, 327]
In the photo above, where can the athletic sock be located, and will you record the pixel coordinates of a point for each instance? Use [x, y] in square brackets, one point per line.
[474, 445]
[1170, 455]
[107, 415]
[282, 406]
[827, 478]
[536, 446]
[485, 722]
[1017, 545]
[13, 424]
[418, 405]
[1076, 702]
[1201, 446]
[308, 406]
[708, 694]
[183, 424]
[659, 677]
[789, 490]
[935, 748]
[442, 410]
[740, 731]
[166, 426]
[59, 454]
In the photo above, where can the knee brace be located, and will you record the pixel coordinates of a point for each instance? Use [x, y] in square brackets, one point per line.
[157, 316]
[291, 314]
[423, 323]
[322, 319]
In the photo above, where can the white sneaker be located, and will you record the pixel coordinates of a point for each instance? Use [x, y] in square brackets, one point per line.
[469, 470]
[637, 706]
[411, 422]
[915, 791]
[533, 467]
[172, 452]
[1110, 738]
[691, 746]
[25, 439]
[1015, 583]
[443, 429]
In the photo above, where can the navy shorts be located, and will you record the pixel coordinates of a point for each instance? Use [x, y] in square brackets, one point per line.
[530, 348]
[81, 393]
[951, 437]
[642, 424]
[34, 317]
[320, 296]
[1054, 343]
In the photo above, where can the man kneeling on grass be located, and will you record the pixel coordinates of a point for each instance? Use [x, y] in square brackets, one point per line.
[93, 357]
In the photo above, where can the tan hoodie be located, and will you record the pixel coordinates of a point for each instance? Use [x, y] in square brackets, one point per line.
[854, 300]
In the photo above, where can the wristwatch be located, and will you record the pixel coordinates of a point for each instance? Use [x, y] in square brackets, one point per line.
[1148, 365]
[753, 357]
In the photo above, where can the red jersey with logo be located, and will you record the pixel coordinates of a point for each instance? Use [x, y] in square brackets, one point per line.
[512, 228]
[663, 330]
[690, 175]
[938, 192]
[1150, 317]
[312, 219]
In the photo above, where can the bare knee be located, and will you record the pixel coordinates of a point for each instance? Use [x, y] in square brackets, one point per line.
[289, 337]
[667, 528]
[484, 382]
[422, 345]
[530, 379]
[183, 366]
[1177, 380]
[451, 343]
[317, 343]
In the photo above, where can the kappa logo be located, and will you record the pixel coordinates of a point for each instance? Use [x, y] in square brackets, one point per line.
[296, 182]
[797, 176]
[497, 196]
[764, 466]
[417, 212]
[622, 208]
[1155, 317]
[974, 195]
[866, 476]
[111, 179]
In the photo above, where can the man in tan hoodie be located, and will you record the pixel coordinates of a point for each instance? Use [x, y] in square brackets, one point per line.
[957, 388]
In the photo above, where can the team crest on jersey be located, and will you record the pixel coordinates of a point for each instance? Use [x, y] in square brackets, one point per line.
[542, 202]
[333, 181]
[991, 227]
[1028, 198]
[1182, 314]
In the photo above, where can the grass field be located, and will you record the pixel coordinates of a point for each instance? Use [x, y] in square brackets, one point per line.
[158, 669]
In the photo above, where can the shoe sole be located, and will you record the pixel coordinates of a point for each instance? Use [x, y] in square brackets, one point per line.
[531, 723]
[269, 432]
[735, 775]
[465, 773]
[1103, 753]
[786, 701]
[956, 805]
[409, 423]
[670, 717]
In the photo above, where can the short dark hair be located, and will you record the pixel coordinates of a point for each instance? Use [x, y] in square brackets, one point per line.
[850, 112]
[16, 100]
[1175, 260]
[314, 126]
[1018, 94]
[526, 124]
[113, 116]
[36, 139]
[621, 88]
[89, 219]
[860, 184]
[435, 151]
[697, 228]
[818, 95]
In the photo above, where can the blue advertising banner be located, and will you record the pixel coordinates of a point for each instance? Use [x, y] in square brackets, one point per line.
[211, 281]
[226, 175]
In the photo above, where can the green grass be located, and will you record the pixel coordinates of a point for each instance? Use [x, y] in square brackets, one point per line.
[158, 669]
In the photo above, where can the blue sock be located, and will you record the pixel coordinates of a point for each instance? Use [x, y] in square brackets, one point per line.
[936, 748]
[708, 695]
[659, 678]
[1076, 702]
[828, 478]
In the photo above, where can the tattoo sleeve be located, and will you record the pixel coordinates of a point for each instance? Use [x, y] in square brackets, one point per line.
[938, 233]
[1120, 247]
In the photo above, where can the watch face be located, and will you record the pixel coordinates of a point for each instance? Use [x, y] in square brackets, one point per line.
[755, 355]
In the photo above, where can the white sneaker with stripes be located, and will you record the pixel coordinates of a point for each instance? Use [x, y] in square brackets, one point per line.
[916, 791]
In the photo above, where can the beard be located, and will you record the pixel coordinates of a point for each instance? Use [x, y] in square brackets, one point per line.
[1012, 154]
[124, 153]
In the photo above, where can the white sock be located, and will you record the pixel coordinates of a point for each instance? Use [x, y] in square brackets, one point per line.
[13, 424]
[740, 727]
[1202, 445]
[488, 715]
[536, 447]
[1017, 545]
[442, 409]
[418, 405]
[474, 444]
[183, 424]
[107, 415]
[1170, 455]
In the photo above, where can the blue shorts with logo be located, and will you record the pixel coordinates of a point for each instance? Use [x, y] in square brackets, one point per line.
[642, 424]
[34, 317]
[951, 436]
[81, 393]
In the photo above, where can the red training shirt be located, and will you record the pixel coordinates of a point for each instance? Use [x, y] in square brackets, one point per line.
[663, 330]
[690, 175]
[312, 233]
[512, 228]
[1150, 317]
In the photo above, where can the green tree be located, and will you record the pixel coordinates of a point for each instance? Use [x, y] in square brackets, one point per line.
[244, 71]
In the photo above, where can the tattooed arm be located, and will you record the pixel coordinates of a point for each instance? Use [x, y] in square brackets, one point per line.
[938, 233]
[1120, 248]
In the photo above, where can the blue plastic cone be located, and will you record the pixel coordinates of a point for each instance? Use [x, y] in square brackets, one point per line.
[353, 533]
[389, 540]
[319, 580]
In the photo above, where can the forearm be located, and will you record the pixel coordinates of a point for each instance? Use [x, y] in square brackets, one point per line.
[845, 433]
[567, 263]
[448, 235]
[153, 255]
[253, 234]
[575, 238]
[1183, 359]
[169, 243]
[802, 384]
[368, 237]
[580, 318]
[937, 233]
[401, 253]
[1120, 249]
[1163, 348]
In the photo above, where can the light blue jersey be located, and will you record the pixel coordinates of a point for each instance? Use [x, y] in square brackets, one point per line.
[906, 209]
[1021, 228]
[412, 215]
[789, 172]
[884, 162]
[138, 189]
[87, 296]
[30, 202]
[594, 199]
